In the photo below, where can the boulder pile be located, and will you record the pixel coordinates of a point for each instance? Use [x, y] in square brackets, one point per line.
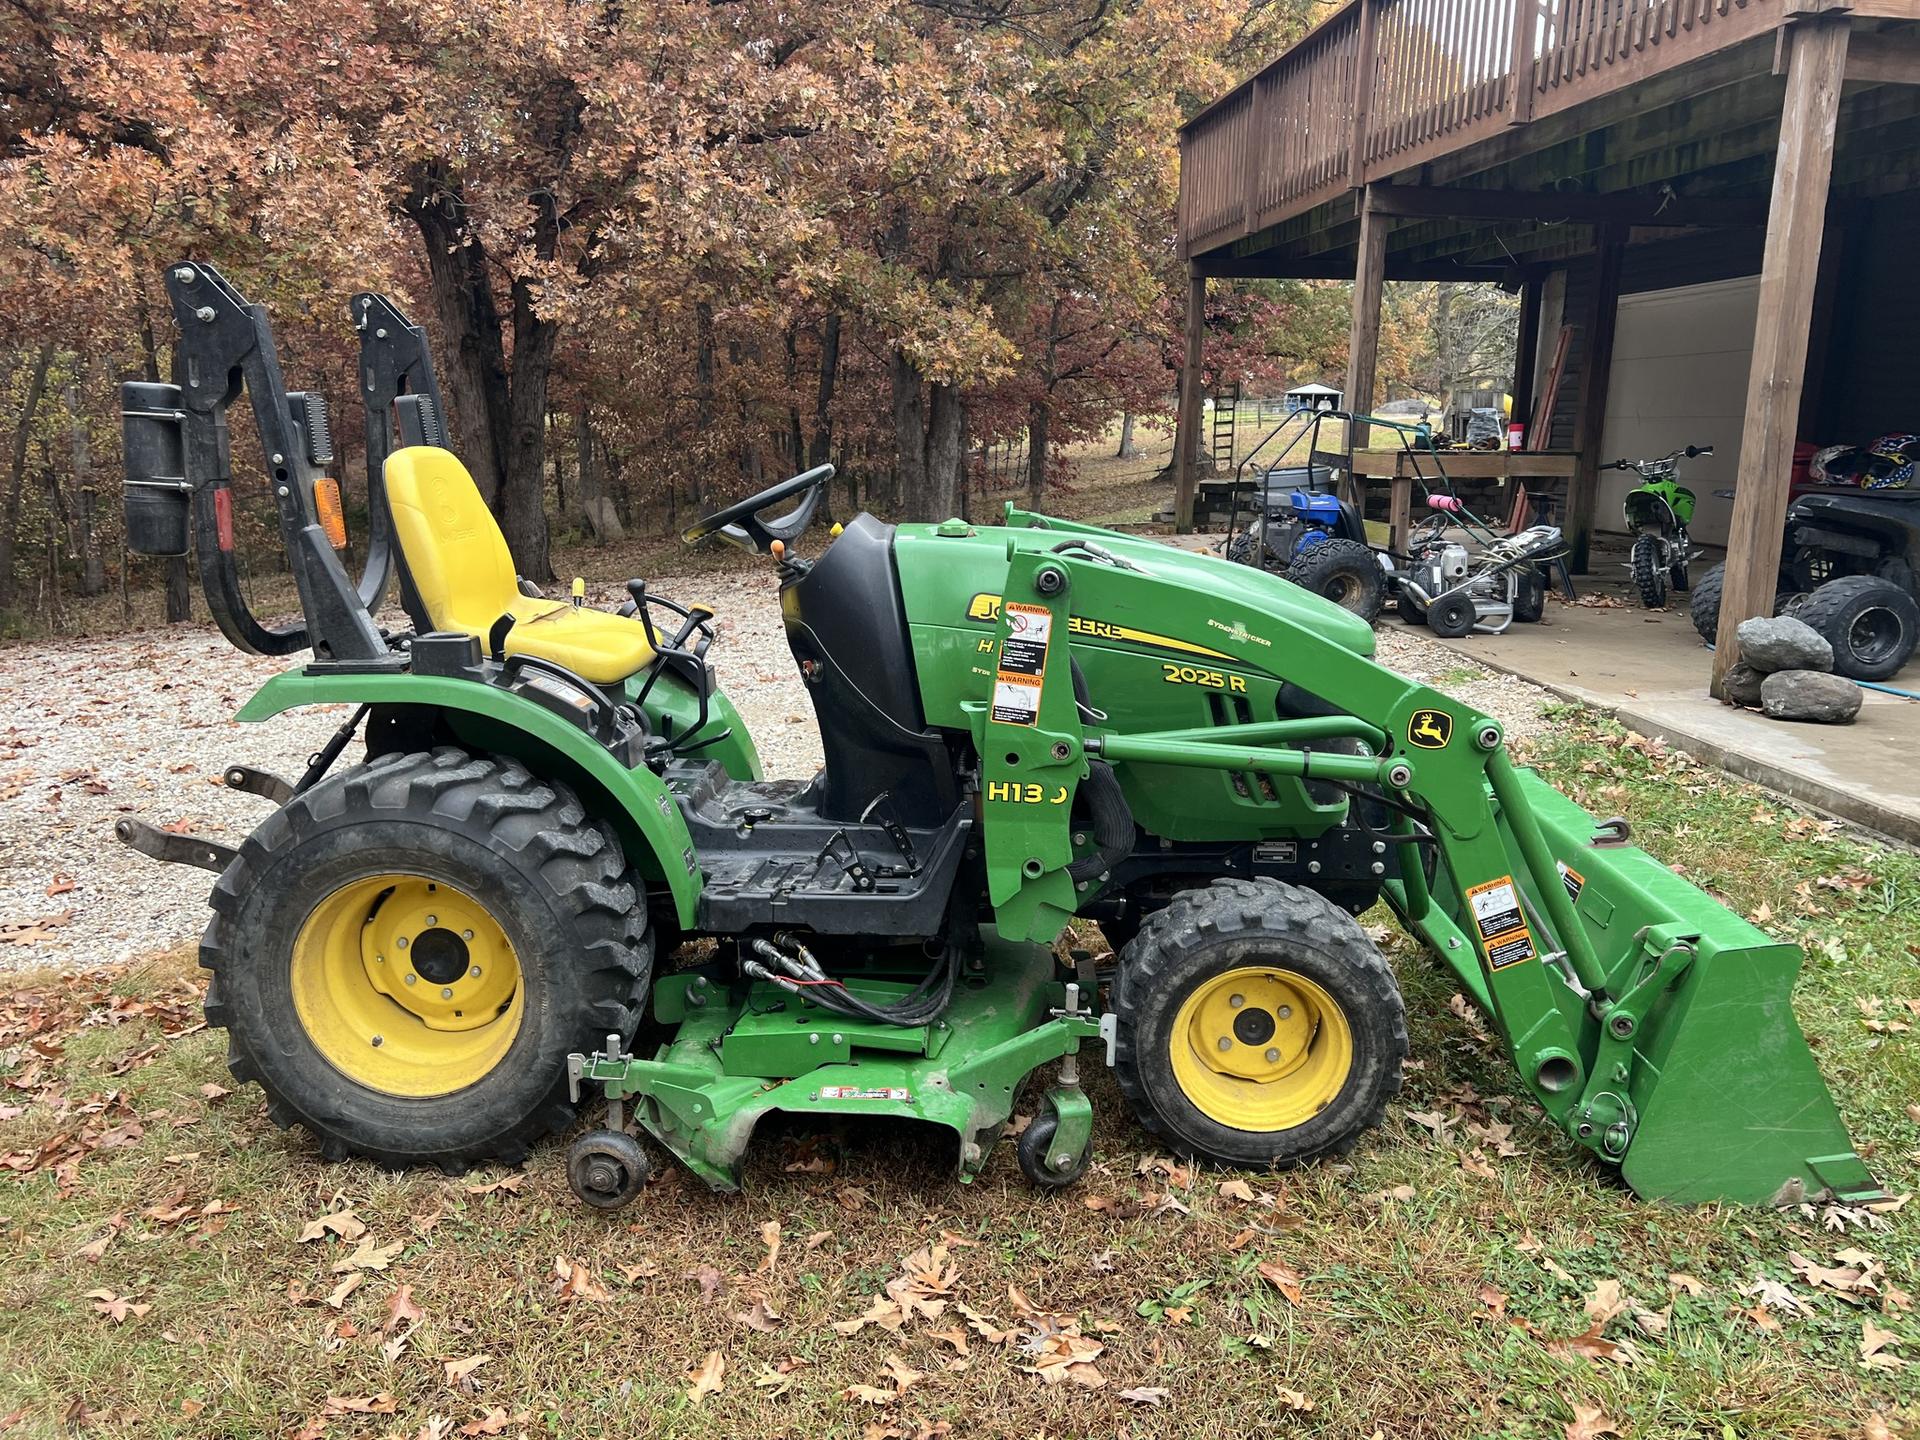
[1785, 671]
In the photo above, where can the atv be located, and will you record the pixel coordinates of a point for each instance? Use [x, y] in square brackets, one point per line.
[1313, 538]
[1658, 511]
[431, 953]
[1847, 568]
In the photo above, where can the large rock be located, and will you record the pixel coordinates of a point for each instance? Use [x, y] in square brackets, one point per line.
[1741, 684]
[1810, 695]
[1781, 642]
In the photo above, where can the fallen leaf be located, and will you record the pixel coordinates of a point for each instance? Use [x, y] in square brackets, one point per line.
[369, 1256]
[769, 1237]
[460, 1372]
[708, 1377]
[1154, 1395]
[345, 1288]
[1605, 1301]
[117, 1308]
[401, 1310]
[508, 1184]
[1875, 1347]
[344, 1223]
[1589, 1422]
[382, 1404]
[762, 1317]
[574, 1281]
[1287, 1282]
[1682, 1283]
[1293, 1400]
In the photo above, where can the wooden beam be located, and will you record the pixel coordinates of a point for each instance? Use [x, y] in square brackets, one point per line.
[1590, 415]
[1525, 350]
[1521, 77]
[1338, 267]
[1363, 338]
[1456, 203]
[1186, 433]
[1363, 83]
[1884, 59]
[1802, 175]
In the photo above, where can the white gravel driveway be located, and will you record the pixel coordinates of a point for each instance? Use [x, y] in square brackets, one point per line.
[140, 724]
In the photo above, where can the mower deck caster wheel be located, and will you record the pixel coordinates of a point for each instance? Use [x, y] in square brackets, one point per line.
[607, 1169]
[1045, 1169]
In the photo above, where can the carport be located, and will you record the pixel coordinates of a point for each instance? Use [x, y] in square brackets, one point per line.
[1707, 207]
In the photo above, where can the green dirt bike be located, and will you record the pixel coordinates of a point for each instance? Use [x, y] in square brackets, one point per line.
[1658, 511]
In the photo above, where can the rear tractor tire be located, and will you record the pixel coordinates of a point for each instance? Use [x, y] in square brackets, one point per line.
[1345, 572]
[404, 956]
[1258, 1027]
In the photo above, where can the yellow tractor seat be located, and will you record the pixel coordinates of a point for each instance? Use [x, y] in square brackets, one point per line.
[458, 563]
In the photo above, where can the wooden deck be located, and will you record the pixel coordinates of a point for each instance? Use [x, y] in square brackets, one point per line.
[1385, 87]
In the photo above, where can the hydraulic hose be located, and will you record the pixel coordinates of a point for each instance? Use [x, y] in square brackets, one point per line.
[1113, 827]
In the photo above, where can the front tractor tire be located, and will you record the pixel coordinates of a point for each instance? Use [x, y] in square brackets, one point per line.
[1258, 1027]
[404, 956]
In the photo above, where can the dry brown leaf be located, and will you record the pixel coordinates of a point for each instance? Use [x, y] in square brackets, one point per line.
[460, 1372]
[401, 1310]
[762, 1317]
[769, 1237]
[1155, 1395]
[344, 1223]
[1680, 1282]
[1293, 1400]
[345, 1288]
[384, 1403]
[1605, 1301]
[369, 1256]
[1287, 1282]
[574, 1281]
[117, 1308]
[708, 1377]
[1876, 1350]
[1237, 1190]
[508, 1184]
[1589, 1422]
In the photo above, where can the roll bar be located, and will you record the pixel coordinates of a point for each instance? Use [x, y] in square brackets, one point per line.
[179, 467]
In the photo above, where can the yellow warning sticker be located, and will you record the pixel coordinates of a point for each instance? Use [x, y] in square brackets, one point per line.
[1502, 926]
[1021, 678]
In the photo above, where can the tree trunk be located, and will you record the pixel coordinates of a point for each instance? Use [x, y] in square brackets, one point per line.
[910, 440]
[523, 513]
[1039, 421]
[17, 475]
[93, 566]
[475, 380]
[704, 366]
[1128, 450]
[590, 493]
[179, 590]
[945, 421]
[822, 445]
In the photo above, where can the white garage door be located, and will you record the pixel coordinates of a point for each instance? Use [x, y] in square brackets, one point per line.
[1680, 361]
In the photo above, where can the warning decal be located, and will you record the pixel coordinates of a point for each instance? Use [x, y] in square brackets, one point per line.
[857, 1092]
[1019, 683]
[1503, 929]
[1571, 878]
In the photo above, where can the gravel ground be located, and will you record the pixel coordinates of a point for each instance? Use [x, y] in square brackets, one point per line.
[139, 724]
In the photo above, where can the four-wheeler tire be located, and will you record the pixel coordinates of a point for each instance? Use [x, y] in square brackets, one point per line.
[1452, 616]
[1650, 577]
[607, 1169]
[1032, 1147]
[1411, 610]
[1243, 548]
[1703, 605]
[1257, 1026]
[1529, 595]
[404, 956]
[1345, 572]
[1871, 623]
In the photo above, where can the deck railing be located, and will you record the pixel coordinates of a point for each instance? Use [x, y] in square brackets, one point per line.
[1434, 76]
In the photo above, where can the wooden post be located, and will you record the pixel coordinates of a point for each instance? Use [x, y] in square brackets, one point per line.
[1363, 339]
[1186, 432]
[1365, 48]
[1526, 25]
[1590, 417]
[1525, 353]
[1789, 270]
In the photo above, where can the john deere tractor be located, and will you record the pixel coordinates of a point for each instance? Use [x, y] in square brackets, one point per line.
[428, 952]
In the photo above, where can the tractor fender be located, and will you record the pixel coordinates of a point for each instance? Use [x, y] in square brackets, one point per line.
[635, 802]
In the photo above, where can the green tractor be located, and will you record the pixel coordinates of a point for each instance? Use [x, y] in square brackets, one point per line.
[428, 956]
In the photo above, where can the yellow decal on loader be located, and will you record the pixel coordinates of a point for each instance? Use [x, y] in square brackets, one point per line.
[986, 607]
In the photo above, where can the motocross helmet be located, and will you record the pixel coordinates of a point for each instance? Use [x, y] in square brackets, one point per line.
[1889, 461]
[1835, 465]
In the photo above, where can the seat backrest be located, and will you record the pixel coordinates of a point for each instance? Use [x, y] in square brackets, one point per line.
[453, 550]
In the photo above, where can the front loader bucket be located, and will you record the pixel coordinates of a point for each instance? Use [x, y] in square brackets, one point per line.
[1724, 1098]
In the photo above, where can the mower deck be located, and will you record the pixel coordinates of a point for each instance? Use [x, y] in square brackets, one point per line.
[740, 1051]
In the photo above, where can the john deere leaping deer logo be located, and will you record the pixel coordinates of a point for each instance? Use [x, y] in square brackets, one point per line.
[1430, 729]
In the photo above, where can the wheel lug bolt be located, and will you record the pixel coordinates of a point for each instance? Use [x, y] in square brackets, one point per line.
[466, 934]
[1226, 1042]
[475, 972]
[1236, 1001]
[1273, 1056]
[378, 1041]
[1286, 1012]
[401, 942]
[446, 994]
[411, 978]
[432, 920]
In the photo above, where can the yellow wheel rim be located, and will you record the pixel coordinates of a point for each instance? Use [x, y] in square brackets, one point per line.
[406, 985]
[1260, 1048]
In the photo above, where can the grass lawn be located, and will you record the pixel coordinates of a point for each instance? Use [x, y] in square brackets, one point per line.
[166, 1275]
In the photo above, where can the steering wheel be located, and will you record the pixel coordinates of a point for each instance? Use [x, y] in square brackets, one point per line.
[740, 523]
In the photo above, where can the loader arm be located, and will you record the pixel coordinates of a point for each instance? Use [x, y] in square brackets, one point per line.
[1653, 1025]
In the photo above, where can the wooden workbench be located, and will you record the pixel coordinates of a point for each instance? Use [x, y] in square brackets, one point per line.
[1400, 469]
